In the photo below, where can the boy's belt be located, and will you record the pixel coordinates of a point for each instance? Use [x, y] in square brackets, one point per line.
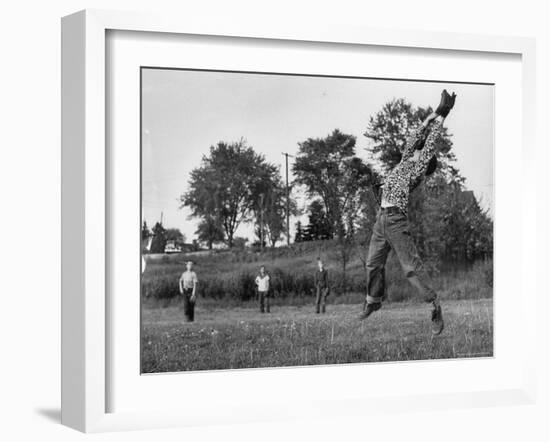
[391, 210]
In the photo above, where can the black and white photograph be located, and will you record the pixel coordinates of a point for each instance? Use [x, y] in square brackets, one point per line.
[287, 221]
[298, 220]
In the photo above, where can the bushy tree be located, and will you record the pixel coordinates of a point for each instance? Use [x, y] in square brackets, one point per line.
[456, 228]
[318, 227]
[269, 205]
[226, 185]
[209, 232]
[331, 172]
[159, 239]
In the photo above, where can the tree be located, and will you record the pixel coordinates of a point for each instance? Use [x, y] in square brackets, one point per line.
[224, 187]
[460, 230]
[319, 226]
[209, 232]
[299, 237]
[268, 194]
[275, 214]
[260, 239]
[329, 170]
[145, 232]
[159, 239]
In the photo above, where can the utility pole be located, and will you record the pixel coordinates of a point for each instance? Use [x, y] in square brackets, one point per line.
[262, 222]
[287, 200]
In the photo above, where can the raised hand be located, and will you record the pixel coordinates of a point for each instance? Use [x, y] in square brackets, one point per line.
[446, 104]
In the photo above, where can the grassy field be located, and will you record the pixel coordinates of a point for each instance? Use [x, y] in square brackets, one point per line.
[240, 337]
[231, 333]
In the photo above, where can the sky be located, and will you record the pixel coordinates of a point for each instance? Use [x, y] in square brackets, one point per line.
[186, 112]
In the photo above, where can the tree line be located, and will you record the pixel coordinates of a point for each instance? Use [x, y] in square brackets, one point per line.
[235, 185]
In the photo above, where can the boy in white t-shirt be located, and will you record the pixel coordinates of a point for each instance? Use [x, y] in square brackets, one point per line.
[188, 288]
[262, 284]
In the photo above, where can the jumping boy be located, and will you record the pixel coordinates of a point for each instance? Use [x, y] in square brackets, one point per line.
[188, 288]
[391, 229]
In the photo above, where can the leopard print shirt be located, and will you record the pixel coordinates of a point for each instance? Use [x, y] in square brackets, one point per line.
[400, 180]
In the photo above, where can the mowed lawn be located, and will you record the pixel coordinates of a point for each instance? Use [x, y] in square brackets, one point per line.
[295, 336]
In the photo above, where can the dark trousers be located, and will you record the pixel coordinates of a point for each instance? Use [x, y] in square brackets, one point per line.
[321, 299]
[391, 231]
[188, 305]
[264, 301]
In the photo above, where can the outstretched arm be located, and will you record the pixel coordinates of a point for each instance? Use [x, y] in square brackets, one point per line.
[446, 104]
[430, 146]
[412, 140]
[417, 136]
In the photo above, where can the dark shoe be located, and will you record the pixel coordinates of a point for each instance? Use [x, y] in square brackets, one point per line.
[446, 104]
[437, 319]
[371, 308]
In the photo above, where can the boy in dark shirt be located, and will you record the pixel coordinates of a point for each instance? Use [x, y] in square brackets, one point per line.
[321, 287]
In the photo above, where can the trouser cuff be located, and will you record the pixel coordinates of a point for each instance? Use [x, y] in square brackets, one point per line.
[373, 300]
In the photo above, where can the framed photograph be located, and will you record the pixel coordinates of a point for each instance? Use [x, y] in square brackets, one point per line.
[276, 222]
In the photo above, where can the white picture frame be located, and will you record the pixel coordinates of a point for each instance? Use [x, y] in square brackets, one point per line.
[85, 351]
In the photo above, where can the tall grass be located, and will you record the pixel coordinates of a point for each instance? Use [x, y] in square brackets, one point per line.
[229, 275]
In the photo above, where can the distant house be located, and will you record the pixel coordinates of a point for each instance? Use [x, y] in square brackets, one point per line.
[172, 247]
